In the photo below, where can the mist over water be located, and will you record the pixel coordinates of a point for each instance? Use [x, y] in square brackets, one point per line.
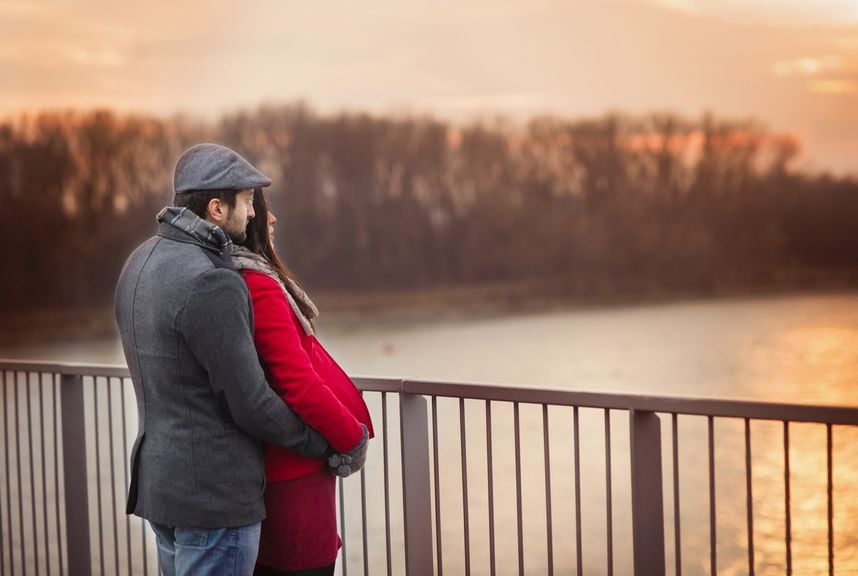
[791, 349]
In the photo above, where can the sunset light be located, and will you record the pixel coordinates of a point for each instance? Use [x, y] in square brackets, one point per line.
[425, 287]
[787, 64]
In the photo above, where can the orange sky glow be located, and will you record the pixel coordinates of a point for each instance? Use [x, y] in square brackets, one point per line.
[791, 65]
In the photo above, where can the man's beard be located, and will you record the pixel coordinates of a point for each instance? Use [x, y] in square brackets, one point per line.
[236, 233]
[237, 237]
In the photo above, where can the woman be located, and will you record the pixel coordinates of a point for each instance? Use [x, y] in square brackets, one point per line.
[299, 533]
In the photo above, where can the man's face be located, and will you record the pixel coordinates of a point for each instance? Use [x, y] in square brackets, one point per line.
[235, 224]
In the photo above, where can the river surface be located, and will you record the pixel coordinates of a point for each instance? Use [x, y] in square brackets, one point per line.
[801, 349]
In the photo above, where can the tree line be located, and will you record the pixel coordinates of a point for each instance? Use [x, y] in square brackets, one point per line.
[611, 205]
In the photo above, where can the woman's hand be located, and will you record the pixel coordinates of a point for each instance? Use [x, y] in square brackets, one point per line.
[345, 465]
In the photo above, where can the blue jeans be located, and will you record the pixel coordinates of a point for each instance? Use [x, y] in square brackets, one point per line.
[207, 551]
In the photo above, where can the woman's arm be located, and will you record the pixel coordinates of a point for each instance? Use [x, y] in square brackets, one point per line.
[289, 368]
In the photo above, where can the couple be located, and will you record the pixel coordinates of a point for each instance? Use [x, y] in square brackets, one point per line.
[232, 387]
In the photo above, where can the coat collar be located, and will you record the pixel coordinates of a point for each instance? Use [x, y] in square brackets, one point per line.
[184, 226]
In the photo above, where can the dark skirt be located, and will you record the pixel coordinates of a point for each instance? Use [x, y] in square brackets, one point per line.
[300, 527]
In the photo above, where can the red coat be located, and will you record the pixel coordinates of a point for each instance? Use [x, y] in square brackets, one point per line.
[305, 376]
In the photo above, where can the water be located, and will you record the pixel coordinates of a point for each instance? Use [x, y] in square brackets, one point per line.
[800, 349]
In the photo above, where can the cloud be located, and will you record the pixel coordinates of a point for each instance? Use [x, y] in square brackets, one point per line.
[824, 75]
[687, 6]
[808, 66]
[848, 43]
[770, 12]
[101, 58]
[834, 87]
[503, 102]
[20, 8]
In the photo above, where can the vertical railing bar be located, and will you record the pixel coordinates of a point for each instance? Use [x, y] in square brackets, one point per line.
[750, 495]
[828, 448]
[2, 541]
[112, 471]
[39, 386]
[20, 481]
[363, 516]
[491, 494]
[386, 483]
[27, 379]
[98, 474]
[125, 466]
[76, 478]
[787, 500]
[609, 493]
[8, 477]
[146, 548]
[363, 521]
[577, 445]
[143, 528]
[416, 483]
[518, 511]
[647, 493]
[2, 546]
[677, 530]
[465, 517]
[44, 472]
[713, 537]
[548, 527]
[343, 526]
[437, 484]
[57, 471]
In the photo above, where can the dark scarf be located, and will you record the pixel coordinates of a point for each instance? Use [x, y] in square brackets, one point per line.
[204, 232]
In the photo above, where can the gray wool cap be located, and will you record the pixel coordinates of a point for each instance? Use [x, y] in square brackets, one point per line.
[215, 167]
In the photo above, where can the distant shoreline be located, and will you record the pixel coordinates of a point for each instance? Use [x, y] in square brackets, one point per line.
[439, 304]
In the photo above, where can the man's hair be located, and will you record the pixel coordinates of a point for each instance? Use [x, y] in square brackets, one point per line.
[197, 201]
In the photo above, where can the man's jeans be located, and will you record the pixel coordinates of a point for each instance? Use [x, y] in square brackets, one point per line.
[207, 551]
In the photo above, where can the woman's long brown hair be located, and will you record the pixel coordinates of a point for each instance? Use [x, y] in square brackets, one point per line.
[259, 241]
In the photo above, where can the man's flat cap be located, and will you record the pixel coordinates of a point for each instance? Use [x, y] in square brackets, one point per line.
[215, 167]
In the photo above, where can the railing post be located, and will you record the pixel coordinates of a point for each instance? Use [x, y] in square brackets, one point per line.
[416, 499]
[647, 497]
[74, 473]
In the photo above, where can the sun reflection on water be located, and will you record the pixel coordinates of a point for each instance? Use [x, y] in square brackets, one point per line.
[812, 363]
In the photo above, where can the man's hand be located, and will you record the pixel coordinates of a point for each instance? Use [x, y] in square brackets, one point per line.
[345, 465]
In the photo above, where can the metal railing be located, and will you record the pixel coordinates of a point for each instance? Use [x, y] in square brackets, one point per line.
[488, 480]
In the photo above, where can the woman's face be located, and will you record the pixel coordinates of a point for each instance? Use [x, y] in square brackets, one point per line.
[272, 220]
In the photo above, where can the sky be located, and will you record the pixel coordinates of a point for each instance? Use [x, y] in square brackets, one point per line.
[792, 65]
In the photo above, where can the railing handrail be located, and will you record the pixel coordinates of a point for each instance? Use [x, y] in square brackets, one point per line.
[700, 406]
[687, 405]
[66, 368]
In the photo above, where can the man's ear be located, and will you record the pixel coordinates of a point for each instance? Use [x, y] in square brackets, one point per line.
[216, 210]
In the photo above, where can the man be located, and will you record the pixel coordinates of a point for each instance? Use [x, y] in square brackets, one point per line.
[184, 316]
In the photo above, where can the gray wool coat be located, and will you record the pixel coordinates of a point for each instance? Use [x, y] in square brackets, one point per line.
[186, 324]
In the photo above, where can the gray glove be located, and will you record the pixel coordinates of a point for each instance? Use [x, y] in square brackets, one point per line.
[344, 465]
